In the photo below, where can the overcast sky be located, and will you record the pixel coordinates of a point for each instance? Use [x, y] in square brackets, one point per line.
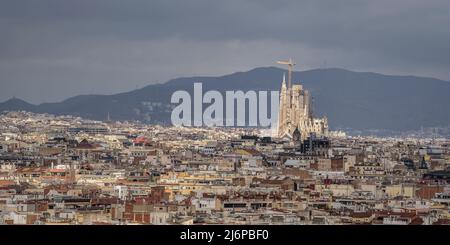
[51, 50]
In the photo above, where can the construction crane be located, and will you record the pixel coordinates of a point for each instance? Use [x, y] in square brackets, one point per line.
[290, 64]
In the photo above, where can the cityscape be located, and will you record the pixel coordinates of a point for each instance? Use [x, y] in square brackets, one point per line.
[62, 169]
[224, 122]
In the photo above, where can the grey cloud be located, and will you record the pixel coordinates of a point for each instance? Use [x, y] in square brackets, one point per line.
[90, 46]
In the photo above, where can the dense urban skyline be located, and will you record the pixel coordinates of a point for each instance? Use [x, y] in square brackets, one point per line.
[70, 170]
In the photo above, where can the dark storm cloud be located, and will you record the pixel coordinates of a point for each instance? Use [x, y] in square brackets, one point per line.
[53, 49]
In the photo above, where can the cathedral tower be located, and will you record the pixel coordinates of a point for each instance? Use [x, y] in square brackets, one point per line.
[295, 112]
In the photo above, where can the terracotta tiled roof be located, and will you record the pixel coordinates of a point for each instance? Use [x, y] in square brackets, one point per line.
[417, 221]
[7, 182]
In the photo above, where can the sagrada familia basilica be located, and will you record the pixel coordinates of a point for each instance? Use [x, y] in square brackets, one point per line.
[295, 112]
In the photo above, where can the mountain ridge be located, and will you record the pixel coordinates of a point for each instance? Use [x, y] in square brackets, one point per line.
[357, 100]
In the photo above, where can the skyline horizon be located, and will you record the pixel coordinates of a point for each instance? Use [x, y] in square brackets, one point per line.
[367, 101]
[34, 102]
